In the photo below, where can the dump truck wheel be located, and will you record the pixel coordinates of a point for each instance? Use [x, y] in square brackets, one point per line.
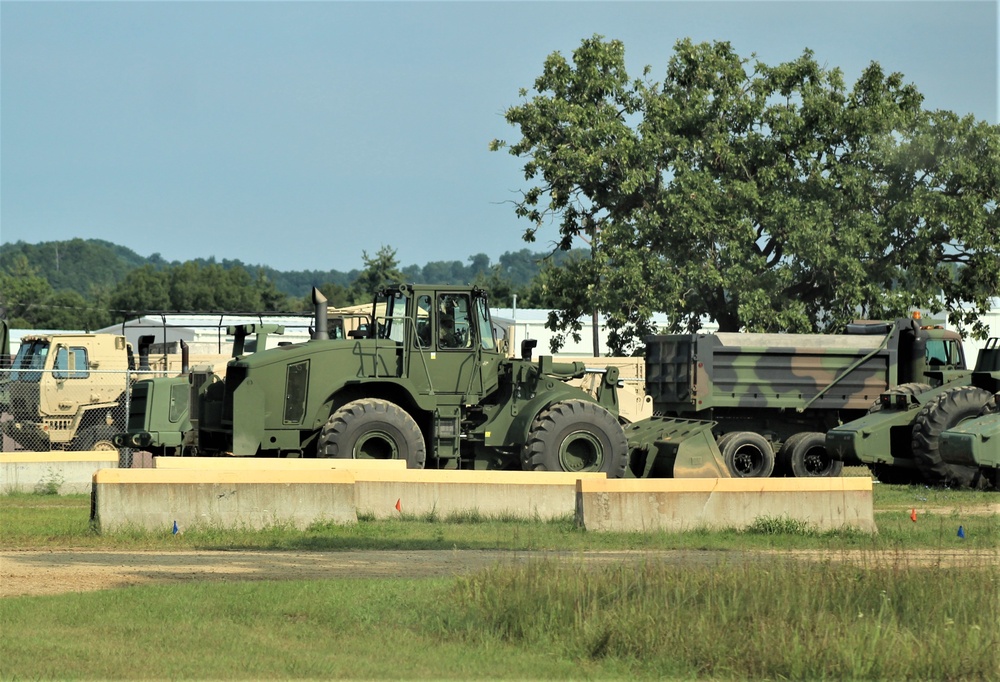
[373, 429]
[804, 455]
[576, 435]
[94, 438]
[912, 388]
[949, 409]
[748, 455]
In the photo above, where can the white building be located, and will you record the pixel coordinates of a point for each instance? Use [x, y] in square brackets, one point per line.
[205, 333]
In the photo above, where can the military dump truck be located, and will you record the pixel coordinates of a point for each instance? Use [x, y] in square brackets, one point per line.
[900, 438]
[976, 443]
[768, 400]
[159, 408]
[426, 381]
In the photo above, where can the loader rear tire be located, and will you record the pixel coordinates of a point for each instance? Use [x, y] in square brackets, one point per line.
[949, 409]
[748, 455]
[373, 429]
[576, 435]
[804, 455]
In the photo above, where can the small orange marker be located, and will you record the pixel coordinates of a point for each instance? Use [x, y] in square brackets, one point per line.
[913, 516]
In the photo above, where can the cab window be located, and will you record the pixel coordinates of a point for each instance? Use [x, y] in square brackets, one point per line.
[390, 317]
[941, 352]
[424, 321]
[70, 363]
[486, 331]
[30, 356]
[454, 324]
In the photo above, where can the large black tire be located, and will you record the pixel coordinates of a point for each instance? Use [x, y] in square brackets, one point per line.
[373, 429]
[803, 455]
[748, 455]
[576, 435]
[949, 409]
[94, 438]
[912, 388]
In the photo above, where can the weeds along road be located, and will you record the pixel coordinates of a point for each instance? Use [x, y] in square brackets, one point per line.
[34, 572]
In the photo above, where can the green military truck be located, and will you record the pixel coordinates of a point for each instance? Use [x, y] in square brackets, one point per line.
[900, 438]
[426, 382]
[976, 443]
[768, 400]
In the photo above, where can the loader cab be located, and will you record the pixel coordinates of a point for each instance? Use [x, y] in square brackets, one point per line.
[448, 337]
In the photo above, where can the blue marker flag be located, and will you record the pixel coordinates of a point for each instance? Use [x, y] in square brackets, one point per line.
[961, 532]
[175, 529]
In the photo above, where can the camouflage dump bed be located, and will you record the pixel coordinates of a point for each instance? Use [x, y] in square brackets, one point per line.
[694, 372]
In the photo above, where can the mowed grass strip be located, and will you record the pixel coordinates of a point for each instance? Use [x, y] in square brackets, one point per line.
[782, 619]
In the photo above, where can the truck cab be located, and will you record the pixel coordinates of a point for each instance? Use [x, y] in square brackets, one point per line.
[65, 390]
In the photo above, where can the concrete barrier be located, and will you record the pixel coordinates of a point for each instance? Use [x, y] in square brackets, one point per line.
[154, 499]
[508, 494]
[277, 464]
[53, 472]
[675, 505]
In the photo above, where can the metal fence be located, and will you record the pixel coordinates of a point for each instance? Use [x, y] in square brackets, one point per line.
[59, 410]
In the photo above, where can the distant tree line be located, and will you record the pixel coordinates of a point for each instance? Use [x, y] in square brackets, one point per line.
[90, 284]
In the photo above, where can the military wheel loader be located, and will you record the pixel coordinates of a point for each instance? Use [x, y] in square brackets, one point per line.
[426, 382]
[901, 438]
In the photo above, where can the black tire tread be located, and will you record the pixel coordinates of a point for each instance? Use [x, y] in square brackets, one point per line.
[374, 410]
[948, 409]
[536, 455]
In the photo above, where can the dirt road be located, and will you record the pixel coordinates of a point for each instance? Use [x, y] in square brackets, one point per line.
[59, 571]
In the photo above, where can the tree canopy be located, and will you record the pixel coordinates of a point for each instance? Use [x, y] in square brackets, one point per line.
[765, 198]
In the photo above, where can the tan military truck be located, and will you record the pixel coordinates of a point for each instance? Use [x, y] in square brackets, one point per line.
[69, 391]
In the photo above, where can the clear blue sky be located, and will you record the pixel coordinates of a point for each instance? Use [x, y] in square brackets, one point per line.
[298, 135]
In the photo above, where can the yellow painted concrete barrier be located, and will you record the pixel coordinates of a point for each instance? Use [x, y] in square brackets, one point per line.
[444, 493]
[58, 472]
[676, 505]
[276, 464]
[155, 499]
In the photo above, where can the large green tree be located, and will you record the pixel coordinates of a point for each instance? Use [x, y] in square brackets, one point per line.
[765, 198]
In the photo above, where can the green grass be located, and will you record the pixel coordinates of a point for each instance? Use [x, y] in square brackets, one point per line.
[543, 620]
[742, 616]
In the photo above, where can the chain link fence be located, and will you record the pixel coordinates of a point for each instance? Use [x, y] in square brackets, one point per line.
[67, 410]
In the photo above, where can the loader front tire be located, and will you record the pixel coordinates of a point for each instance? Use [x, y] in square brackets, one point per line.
[576, 435]
[949, 409]
[748, 455]
[373, 429]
